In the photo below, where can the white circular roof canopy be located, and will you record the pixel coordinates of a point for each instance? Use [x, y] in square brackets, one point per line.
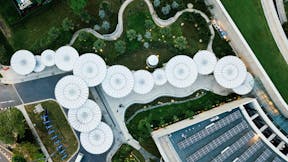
[65, 58]
[85, 118]
[39, 64]
[23, 62]
[159, 76]
[48, 57]
[205, 61]
[118, 82]
[246, 87]
[91, 68]
[143, 82]
[181, 71]
[230, 72]
[71, 92]
[153, 60]
[98, 140]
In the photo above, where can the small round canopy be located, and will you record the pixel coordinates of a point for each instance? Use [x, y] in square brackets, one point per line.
[230, 72]
[39, 65]
[246, 87]
[48, 57]
[65, 58]
[159, 77]
[23, 62]
[85, 118]
[181, 71]
[98, 140]
[205, 61]
[71, 92]
[118, 82]
[152, 60]
[91, 68]
[143, 82]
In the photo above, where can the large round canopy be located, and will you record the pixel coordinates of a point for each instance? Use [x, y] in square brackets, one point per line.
[230, 72]
[181, 71]
[152, 60]
[91, 68]
[143, 82]
[118, 82]
[39, 65]
[85, 118]
[246, 87]
[23, 62]
[205, 61]
[48, 57]
[98, 140]
[71, 92]
[65, 58]
[159, 76]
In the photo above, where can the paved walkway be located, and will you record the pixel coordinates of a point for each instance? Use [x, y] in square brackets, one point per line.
[281, 11]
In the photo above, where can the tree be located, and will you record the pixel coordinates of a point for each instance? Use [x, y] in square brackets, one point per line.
[180, 43]
[166, 9]
[85, 17]
[131, 34]
[106, 25]
[174, 5]
[53, 33]
[165, 31]
[67, 24]
[120, 46]
[37, 1]
[83, 36]
[18, 158]
[77, 5]
[156, 3]
[31, 151]
[99, 44]
[101, 14]
[149, 24]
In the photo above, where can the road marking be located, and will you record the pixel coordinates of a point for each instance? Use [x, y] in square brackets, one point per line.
[17, 94]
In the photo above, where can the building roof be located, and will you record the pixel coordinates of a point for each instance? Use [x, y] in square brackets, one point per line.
[181, 71]
[39, 65]
[65, 58]
[23, 62]
[91, 68]
[71, 92]
[230, 72]
[143, 82]
[119, 81]
[246, 87]
[159, 77]
[205, 61]
[153, 60]
[98, 140]
[48, 57]
[85, 118]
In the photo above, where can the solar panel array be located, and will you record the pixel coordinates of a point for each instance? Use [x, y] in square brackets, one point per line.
[264, 156]
[250, 151]
[277, 159]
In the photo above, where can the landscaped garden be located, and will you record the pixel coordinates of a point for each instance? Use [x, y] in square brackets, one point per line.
[60, 124]
[127, 153]
[250, 19]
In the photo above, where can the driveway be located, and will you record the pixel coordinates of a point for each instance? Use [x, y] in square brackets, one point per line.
[8, 96]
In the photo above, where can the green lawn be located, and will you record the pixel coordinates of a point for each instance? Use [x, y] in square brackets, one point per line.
[250, 19]
[127, 153]
[61, 126]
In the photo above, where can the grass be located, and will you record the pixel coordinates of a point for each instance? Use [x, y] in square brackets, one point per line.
[127, 153]
[143, 123]
[61, 126]
[250, 19]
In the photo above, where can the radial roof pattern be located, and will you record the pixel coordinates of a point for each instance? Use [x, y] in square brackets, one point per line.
[71, 92]
[98, 140]
[23, 62]
[159, 76]
[143, 82]
[118, 82]
[205, 62]
[181, 71]
[91, 68]
[153, 60]
[85, 118]
[246, 87]
[39, 64]
[230, 72]
[48, 57]
[65, 58]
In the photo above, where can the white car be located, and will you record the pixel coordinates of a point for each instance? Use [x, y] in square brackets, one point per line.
[79, 157]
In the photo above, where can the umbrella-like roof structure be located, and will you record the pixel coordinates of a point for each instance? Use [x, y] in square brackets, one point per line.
[23, 62]
[118, 82]
[230, 72]
[143, 82]
[39, 64]
[91, 68]
[246, 87]
[85, 118]
[48, 57]
[71, 92]
[159, 76]
[152, 60]
[205, 61]
[181, 71]
[65, 58]
[98, 140]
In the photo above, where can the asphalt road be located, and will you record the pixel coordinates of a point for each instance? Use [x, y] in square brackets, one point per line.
[8, 96]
